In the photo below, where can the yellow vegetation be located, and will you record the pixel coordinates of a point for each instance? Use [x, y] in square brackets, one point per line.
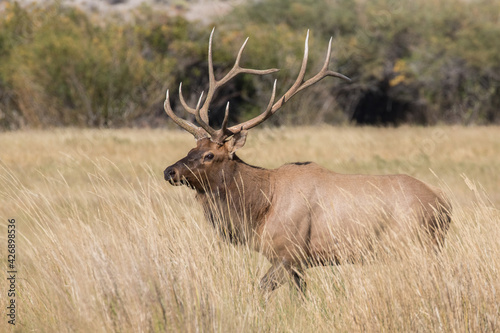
[105, 244]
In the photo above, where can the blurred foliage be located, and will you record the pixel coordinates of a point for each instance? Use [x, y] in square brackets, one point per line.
[422, 61]
[60, 67]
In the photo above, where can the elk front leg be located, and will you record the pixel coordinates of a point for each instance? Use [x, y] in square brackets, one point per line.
[275, 277]
[279, 274]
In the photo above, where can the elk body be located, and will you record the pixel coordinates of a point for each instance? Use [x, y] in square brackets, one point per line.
[300, 214]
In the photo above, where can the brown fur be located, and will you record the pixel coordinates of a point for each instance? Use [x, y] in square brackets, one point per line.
[302, 214]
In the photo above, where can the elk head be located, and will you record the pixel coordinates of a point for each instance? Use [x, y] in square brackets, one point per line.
[205, 164]
[214, 155]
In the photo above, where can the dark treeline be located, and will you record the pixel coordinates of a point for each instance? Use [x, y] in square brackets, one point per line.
[421, 62]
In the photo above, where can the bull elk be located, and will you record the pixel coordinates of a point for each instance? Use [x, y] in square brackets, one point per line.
[300, 214]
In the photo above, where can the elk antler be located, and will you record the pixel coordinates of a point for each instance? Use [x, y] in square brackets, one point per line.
[201, 113]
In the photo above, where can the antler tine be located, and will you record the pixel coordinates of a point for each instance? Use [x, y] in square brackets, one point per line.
[269, 108]
[237, 69]
[211, 80]
[302, 72]
[200, 120]
[240, 52]
[226, 119]
[183, 102]
[297, 86]
[324, 72]
[260, 118]
[196, 131]
[223, 133]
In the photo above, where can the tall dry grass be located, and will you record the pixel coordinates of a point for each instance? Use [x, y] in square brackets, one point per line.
[104, 244]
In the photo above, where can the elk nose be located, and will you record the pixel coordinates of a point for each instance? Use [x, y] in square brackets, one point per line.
[169, 173]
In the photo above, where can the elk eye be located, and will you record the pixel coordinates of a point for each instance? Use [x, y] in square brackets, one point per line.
[209, 157]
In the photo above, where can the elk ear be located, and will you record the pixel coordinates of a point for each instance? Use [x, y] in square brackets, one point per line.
[236, 142]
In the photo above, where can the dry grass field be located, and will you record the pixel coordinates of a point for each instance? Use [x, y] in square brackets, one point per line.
[104, 244]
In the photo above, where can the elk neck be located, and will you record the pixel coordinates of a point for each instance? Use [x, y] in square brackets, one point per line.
[238, 199]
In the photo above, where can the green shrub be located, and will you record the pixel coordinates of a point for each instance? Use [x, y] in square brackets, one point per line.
[69, 70]
[410, 61]
[418, 61]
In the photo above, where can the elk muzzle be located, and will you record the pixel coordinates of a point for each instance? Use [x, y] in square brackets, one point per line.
[172, 175]
[178, 174]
